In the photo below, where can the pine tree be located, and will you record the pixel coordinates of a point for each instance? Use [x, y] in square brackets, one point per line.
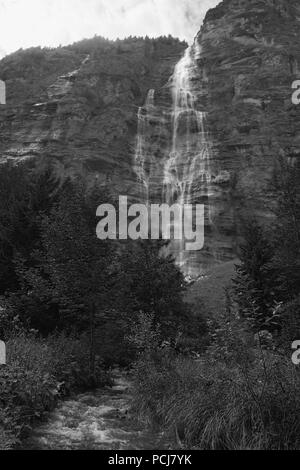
[25, 195]
[286, 232]
[153, 284]
[254, 277]
[78, 264]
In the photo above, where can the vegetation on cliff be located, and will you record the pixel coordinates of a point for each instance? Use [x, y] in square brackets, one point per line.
[28, 73]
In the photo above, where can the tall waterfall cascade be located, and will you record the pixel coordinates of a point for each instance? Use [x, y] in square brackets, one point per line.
[189, 159]
[184, 167]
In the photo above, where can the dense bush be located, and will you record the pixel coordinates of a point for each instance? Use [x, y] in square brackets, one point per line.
[38, 373]
[269, 272]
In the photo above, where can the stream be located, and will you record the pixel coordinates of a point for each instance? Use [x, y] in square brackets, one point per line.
[96, 420]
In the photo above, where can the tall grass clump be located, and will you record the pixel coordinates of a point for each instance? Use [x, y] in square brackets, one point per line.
[238, 395]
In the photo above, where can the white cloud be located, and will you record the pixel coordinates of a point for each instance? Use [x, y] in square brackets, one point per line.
[26, 23]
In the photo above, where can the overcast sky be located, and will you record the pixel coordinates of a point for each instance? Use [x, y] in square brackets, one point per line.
[25, 23]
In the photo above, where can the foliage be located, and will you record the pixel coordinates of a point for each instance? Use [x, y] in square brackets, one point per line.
[289, 315]
[286, 231]
[236, 396]
[68, 279]
[151, 283]
[25, 195]
[267, 281]
[253, 281]
[146, 335]
[38, 373]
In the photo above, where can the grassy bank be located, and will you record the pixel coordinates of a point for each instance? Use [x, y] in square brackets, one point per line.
[238, 395]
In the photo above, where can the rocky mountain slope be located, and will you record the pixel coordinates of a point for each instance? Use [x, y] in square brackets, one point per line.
[231, 122]
[77, 106]
[250, 58]
[88, 109]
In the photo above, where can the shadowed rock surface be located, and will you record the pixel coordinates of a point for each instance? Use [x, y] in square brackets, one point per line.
[250, 58]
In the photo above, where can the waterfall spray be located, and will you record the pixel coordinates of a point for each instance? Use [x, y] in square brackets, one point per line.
[142, 156]
[185, 166]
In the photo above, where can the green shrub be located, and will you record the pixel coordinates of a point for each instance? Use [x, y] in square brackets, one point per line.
[289, 314]
[7, 439]
[38, 373]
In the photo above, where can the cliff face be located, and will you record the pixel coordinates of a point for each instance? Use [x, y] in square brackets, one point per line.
[250, 58]
[206, 131]
[231, 120]
[77, 107]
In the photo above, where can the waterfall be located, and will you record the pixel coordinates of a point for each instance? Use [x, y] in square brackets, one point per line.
[189, 159]
[187, 173]
[184, 167]
[142, 154]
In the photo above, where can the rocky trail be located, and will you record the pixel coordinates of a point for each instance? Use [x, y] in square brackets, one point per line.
[96, 420]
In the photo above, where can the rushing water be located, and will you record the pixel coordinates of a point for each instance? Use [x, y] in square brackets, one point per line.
[95, 420]
[189, 159]
[186, 172]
